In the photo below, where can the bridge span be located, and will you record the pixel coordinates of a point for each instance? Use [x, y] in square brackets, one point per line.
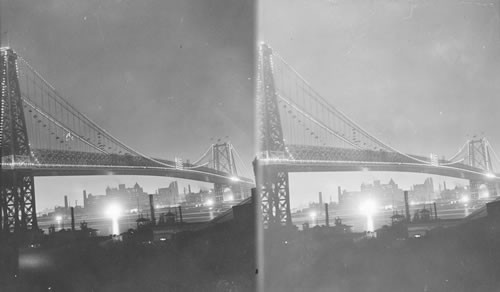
[42, 134]
[299, 131]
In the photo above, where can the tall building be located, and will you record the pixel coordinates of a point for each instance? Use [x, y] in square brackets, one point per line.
[423, 192]
[383, 194]
[170, 195]
[127, 198]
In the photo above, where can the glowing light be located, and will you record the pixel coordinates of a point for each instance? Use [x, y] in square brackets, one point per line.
[114, 212]
[368, 208]
[230, 198]
[234, 178]
[465, 199]
[490, 175]
[210, 202]
[484, 193]
[313, 216]
[59, 219]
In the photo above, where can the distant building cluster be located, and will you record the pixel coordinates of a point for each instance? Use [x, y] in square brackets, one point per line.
[390, 194]
[169, 196]
[384, 194]
[135, 199]
[423, 192]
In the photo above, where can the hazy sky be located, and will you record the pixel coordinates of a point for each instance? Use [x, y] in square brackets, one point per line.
[422, 76]
[167, 78]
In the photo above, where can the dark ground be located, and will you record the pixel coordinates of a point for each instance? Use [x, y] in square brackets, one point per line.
[466, 258]
[222, 258]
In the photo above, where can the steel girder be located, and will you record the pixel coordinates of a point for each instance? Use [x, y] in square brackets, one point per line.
[273, 188]
[270, 132]
[17, 191]
[272, 184]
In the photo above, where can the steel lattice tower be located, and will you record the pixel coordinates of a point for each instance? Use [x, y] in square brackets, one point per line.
[223, 161]
[272, 183]
[478, 156]
[17, 200]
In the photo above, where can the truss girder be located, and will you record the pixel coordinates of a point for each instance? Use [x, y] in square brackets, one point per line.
[223, 159]
[270, 133]
[17, 192]
[273, 185]
[479, 155]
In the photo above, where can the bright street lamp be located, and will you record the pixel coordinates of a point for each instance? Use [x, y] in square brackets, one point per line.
[59, 221]
[490, 175]
[114, 211]
[368, 208]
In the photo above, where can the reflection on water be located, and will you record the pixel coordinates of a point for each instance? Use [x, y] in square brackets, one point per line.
[369, 223]
[116, 227]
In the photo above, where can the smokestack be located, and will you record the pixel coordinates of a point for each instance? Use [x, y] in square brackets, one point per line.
[435, 212]
[152, 209]
[339, 191]
[407, 207]
[72, 219]
[320, 198]
[180, 213]
[84, 198]
[66, 202]
[444, 185]
[189, 189]
[327, 218]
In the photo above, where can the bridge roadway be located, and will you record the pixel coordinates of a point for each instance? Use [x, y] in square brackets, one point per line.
[72, 163]
[329, 159]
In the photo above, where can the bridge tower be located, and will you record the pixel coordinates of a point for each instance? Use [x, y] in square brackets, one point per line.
[272, 183]
[223, 161]
[479, 156]
[17, 197]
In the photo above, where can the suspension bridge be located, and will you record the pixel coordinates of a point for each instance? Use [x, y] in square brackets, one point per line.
[299, 131]
[42, 134]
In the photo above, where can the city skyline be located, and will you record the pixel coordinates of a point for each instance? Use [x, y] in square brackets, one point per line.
[97, 187]
[302, 194]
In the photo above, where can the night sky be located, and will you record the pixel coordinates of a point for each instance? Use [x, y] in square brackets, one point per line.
[167, 78]
[422, 76]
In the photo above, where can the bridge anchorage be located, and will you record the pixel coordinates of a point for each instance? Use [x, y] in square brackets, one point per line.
[42, 134]
[299, 131]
